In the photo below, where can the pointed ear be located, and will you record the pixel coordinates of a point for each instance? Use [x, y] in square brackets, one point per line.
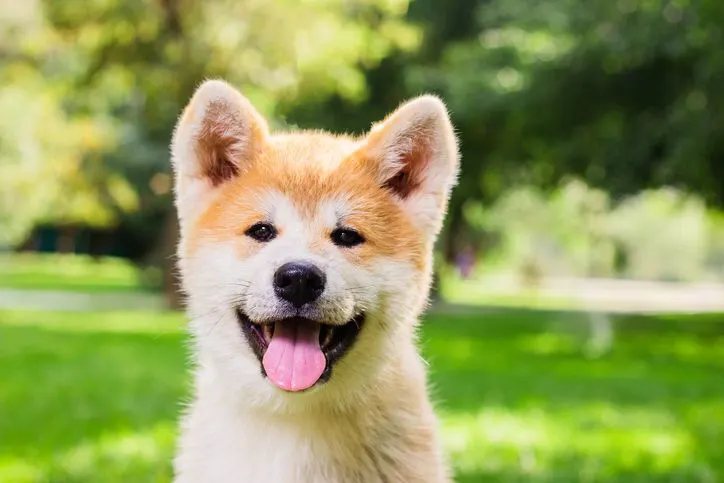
[414, 154]
[217, 137]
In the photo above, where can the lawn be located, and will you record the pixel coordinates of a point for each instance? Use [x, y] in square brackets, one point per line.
[52, 271]
[93, 397]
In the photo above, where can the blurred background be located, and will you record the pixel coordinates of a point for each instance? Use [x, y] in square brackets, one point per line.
[577, 326]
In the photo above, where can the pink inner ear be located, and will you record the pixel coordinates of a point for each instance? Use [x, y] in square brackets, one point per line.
[222, 143]
[400, 184]
[414, 162]
[219, 167]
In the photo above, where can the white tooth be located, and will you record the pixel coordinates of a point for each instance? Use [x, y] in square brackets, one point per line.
[267, 331]
[327, 337]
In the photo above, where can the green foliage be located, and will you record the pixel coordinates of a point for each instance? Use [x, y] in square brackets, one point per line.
[715, 257]
[561, 234]
[623, 94]
[577, 230]
[49, 163]
[92, 90]
[653, 226]
[95, 397]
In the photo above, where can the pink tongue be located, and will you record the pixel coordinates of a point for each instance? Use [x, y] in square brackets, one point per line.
[294, 361]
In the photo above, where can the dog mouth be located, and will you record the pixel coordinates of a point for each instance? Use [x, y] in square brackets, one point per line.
[297, 353]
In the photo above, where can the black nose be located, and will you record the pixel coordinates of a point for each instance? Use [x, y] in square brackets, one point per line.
[299, 283]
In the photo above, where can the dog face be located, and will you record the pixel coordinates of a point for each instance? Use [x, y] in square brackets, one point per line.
[305, 256]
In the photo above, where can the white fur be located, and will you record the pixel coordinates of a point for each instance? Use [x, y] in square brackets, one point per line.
[216, 281]
[372, 421]
[243, 429]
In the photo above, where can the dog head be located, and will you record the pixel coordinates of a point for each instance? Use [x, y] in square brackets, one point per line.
[306, 257]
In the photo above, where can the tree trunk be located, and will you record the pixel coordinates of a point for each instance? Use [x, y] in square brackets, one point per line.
[435, 288]
[165, 254]
[66, 240]
[450, 239]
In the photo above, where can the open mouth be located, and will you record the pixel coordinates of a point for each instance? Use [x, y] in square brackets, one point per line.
[297, 353]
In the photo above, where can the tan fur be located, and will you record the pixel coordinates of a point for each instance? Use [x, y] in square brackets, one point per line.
[372, 421]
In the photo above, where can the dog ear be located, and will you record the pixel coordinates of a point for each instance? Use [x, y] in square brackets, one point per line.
[217, 137]
[414, 154]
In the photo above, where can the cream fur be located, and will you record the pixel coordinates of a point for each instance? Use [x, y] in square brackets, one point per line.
[372, 421]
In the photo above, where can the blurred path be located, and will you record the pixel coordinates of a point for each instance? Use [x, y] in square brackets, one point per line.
[78, 301]
[636, 296]
[604, 296]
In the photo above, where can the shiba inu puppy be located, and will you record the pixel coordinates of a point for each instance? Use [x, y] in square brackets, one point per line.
[306, 258]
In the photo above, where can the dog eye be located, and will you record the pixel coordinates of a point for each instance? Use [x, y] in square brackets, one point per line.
[262, 232]
[346, 237]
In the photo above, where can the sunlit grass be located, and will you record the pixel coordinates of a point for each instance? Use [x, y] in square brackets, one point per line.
[533, 440]
[35, 271]
[522, 400]
[116, 456]
[94, 397]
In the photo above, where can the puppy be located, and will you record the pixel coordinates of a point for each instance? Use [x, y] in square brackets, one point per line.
[306, 259]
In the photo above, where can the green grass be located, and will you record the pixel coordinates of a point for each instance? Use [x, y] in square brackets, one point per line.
[33, 271]
[94, 397]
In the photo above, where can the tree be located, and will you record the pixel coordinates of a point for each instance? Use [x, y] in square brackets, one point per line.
[623, 94]
[121, 71]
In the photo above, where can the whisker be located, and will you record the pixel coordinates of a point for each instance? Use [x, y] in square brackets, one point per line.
[347, 291]
[222, 308]
[213, 327]
[197, 317]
